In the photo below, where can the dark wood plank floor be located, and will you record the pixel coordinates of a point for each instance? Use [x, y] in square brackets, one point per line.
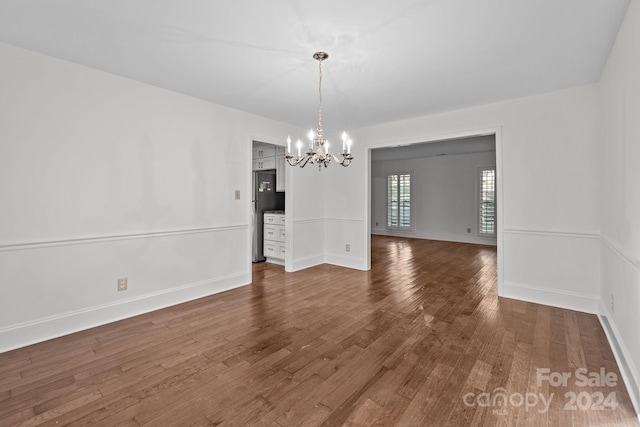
[421, 339]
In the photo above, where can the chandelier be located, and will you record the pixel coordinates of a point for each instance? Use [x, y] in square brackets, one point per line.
[318, 151]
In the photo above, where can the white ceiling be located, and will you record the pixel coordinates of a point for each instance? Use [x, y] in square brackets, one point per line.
[389, 60]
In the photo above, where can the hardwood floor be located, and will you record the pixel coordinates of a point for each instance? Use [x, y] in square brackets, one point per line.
[421, 339]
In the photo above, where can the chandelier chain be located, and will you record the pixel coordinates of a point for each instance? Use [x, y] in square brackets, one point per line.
[320, 131]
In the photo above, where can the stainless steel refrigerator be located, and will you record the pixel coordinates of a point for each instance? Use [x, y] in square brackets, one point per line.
[265, 198]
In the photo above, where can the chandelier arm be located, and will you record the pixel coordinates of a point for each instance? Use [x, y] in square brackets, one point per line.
[294, 162]
[346, 159]
[306, 160]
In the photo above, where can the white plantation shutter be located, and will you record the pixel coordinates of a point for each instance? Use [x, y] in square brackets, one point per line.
[392, 201]
[487, 201]
[399, 201]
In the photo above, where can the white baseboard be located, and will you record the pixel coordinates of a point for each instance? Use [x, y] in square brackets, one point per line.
[626, 364]
[344, 261]
[22, 335]
[553, 297]
[310, 261]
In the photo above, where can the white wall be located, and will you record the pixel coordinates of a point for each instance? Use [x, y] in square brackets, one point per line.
[620, 225]
[305, 211]
[548, 158]
[102, 177]
[443, 196]
[321, 229]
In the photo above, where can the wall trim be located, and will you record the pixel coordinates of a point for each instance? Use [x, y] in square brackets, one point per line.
[342, 220]
[308, 221]
[344, 261]
[552, 297]
[634, 262]
[115, 237]
[307, 262]
[628, 368]
[46, 328]
[548, 233]
[623, 359]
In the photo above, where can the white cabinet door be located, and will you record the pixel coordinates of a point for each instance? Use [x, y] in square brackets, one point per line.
[264, 164]
[263, 151]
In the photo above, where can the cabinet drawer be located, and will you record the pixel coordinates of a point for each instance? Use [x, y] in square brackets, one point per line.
[274, 232]
[264, 164]
[270, 249]
[271, 219]
[271, 232]
[280, 249]
[281, 219]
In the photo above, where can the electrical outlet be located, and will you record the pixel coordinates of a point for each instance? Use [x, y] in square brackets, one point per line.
[468, 230]
[347, 247]
[122, 284]
[237, 194]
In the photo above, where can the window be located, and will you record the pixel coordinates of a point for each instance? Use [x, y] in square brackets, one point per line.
[399, 201]
[487, 201]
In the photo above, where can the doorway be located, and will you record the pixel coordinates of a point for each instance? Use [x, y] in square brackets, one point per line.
[267, 203]
[438, 190]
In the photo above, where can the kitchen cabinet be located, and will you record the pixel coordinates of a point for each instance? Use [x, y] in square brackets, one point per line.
[274, 234]
[264, 163]
[266, 157]
[263, 151]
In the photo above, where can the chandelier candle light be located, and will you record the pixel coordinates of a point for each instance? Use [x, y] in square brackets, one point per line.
[318, 151]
